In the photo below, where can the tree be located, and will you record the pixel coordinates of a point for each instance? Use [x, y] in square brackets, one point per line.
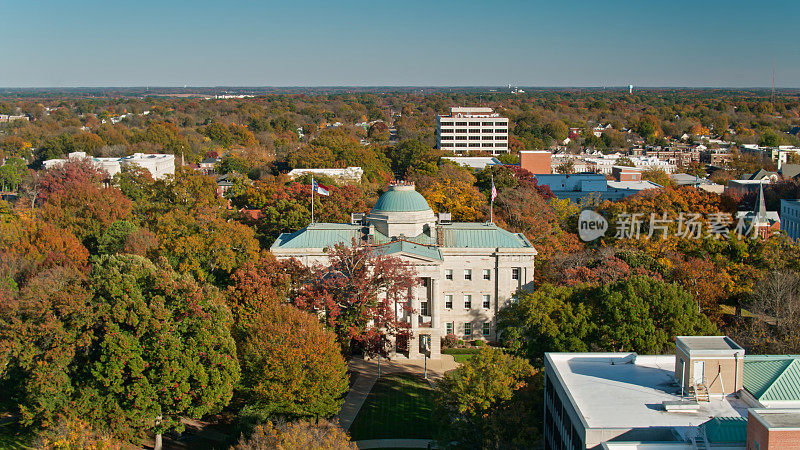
[142, 349]
[566, 167]
[297, 436]
[643, 315]
[379, 131]
[356, 293]
[469, 396]
[291, 366]
[547, 320]
[624, 161]
[413, 156]
[12, 173]
[657, 176]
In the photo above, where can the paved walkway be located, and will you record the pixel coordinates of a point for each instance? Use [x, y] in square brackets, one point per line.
[394, 443]
[368, 374]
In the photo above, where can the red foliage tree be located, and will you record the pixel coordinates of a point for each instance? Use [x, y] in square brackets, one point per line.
[357, 293]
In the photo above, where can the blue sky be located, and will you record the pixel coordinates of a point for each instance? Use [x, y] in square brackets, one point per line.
[406, 43]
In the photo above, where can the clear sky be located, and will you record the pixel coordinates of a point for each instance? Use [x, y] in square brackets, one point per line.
[55, 43]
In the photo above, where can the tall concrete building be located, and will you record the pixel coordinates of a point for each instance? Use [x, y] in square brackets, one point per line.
[467, 130]
[467, 271]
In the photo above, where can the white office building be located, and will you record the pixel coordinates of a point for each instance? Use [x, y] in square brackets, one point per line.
[467, 271]
[467, 130]
[159, 165]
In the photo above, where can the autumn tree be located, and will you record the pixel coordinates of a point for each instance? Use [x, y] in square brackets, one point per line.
[357, 292]
[144, 348]
[12, 173]
[471, 398]
[299, 435]
[291, 366]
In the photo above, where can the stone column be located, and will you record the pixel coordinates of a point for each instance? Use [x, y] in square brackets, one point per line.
[433, 304]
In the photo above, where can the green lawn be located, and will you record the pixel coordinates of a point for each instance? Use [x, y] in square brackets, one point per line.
[399, 406]
[461, 355]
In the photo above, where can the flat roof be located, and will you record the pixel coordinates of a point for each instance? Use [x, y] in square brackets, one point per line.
[705, 343]
[625, 390]
[778, 418]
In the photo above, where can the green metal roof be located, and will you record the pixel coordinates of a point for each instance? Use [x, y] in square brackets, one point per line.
[772, 378]
[481, 235]
[401, 201]
[455, 235]
[721, 430]
[411, 248]
[318, 235]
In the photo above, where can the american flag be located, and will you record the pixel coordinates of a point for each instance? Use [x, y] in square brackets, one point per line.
[494, 191]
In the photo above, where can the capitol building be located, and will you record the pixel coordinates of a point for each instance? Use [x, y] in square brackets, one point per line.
[468, 271]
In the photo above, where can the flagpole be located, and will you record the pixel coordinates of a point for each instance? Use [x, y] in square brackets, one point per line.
[312, 198]
[491, 204]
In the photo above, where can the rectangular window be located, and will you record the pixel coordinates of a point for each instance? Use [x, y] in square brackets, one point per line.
[467, 301]
[448, 301]
[487, 301]
[450, 327]
[487, 144]
[474, 124]
[467, 329]
[447, 138]
[467, 274]
[501, 130]
[474, 138]
[487, 138]
[488, 124]
[487, 274]
[476, 131]
[423, 309]
[461, 124]
[515, 272]
[485, 329]
[475, 145]
[448, 273]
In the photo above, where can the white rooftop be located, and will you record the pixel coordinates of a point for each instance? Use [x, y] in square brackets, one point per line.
[636, 185]
[475, 162]
[631, 394]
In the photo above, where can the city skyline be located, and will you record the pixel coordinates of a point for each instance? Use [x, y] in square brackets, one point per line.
[354, 43]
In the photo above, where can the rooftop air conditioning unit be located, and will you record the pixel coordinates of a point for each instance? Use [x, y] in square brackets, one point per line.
[445, 218]
[356, 218]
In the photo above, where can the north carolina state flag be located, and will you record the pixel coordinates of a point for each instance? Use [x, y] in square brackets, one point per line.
[319, 188]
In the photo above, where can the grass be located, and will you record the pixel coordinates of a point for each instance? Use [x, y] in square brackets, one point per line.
[461, 355]
[400, 406]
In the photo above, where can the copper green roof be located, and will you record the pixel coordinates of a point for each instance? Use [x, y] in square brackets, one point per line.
[481, 235]
[455, 235]
[401, 201]
[318, 235]
[410, 248]
[724, 430]
[772, 378]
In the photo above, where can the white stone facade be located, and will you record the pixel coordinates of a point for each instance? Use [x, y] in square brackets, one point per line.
[468, 271]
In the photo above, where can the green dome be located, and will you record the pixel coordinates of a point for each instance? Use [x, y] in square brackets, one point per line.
[401, 199]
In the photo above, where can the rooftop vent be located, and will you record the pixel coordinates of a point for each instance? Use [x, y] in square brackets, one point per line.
[445, 218]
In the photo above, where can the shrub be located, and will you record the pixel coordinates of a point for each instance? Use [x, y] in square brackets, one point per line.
[477, 342]
[460, 342]
[449, 340]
